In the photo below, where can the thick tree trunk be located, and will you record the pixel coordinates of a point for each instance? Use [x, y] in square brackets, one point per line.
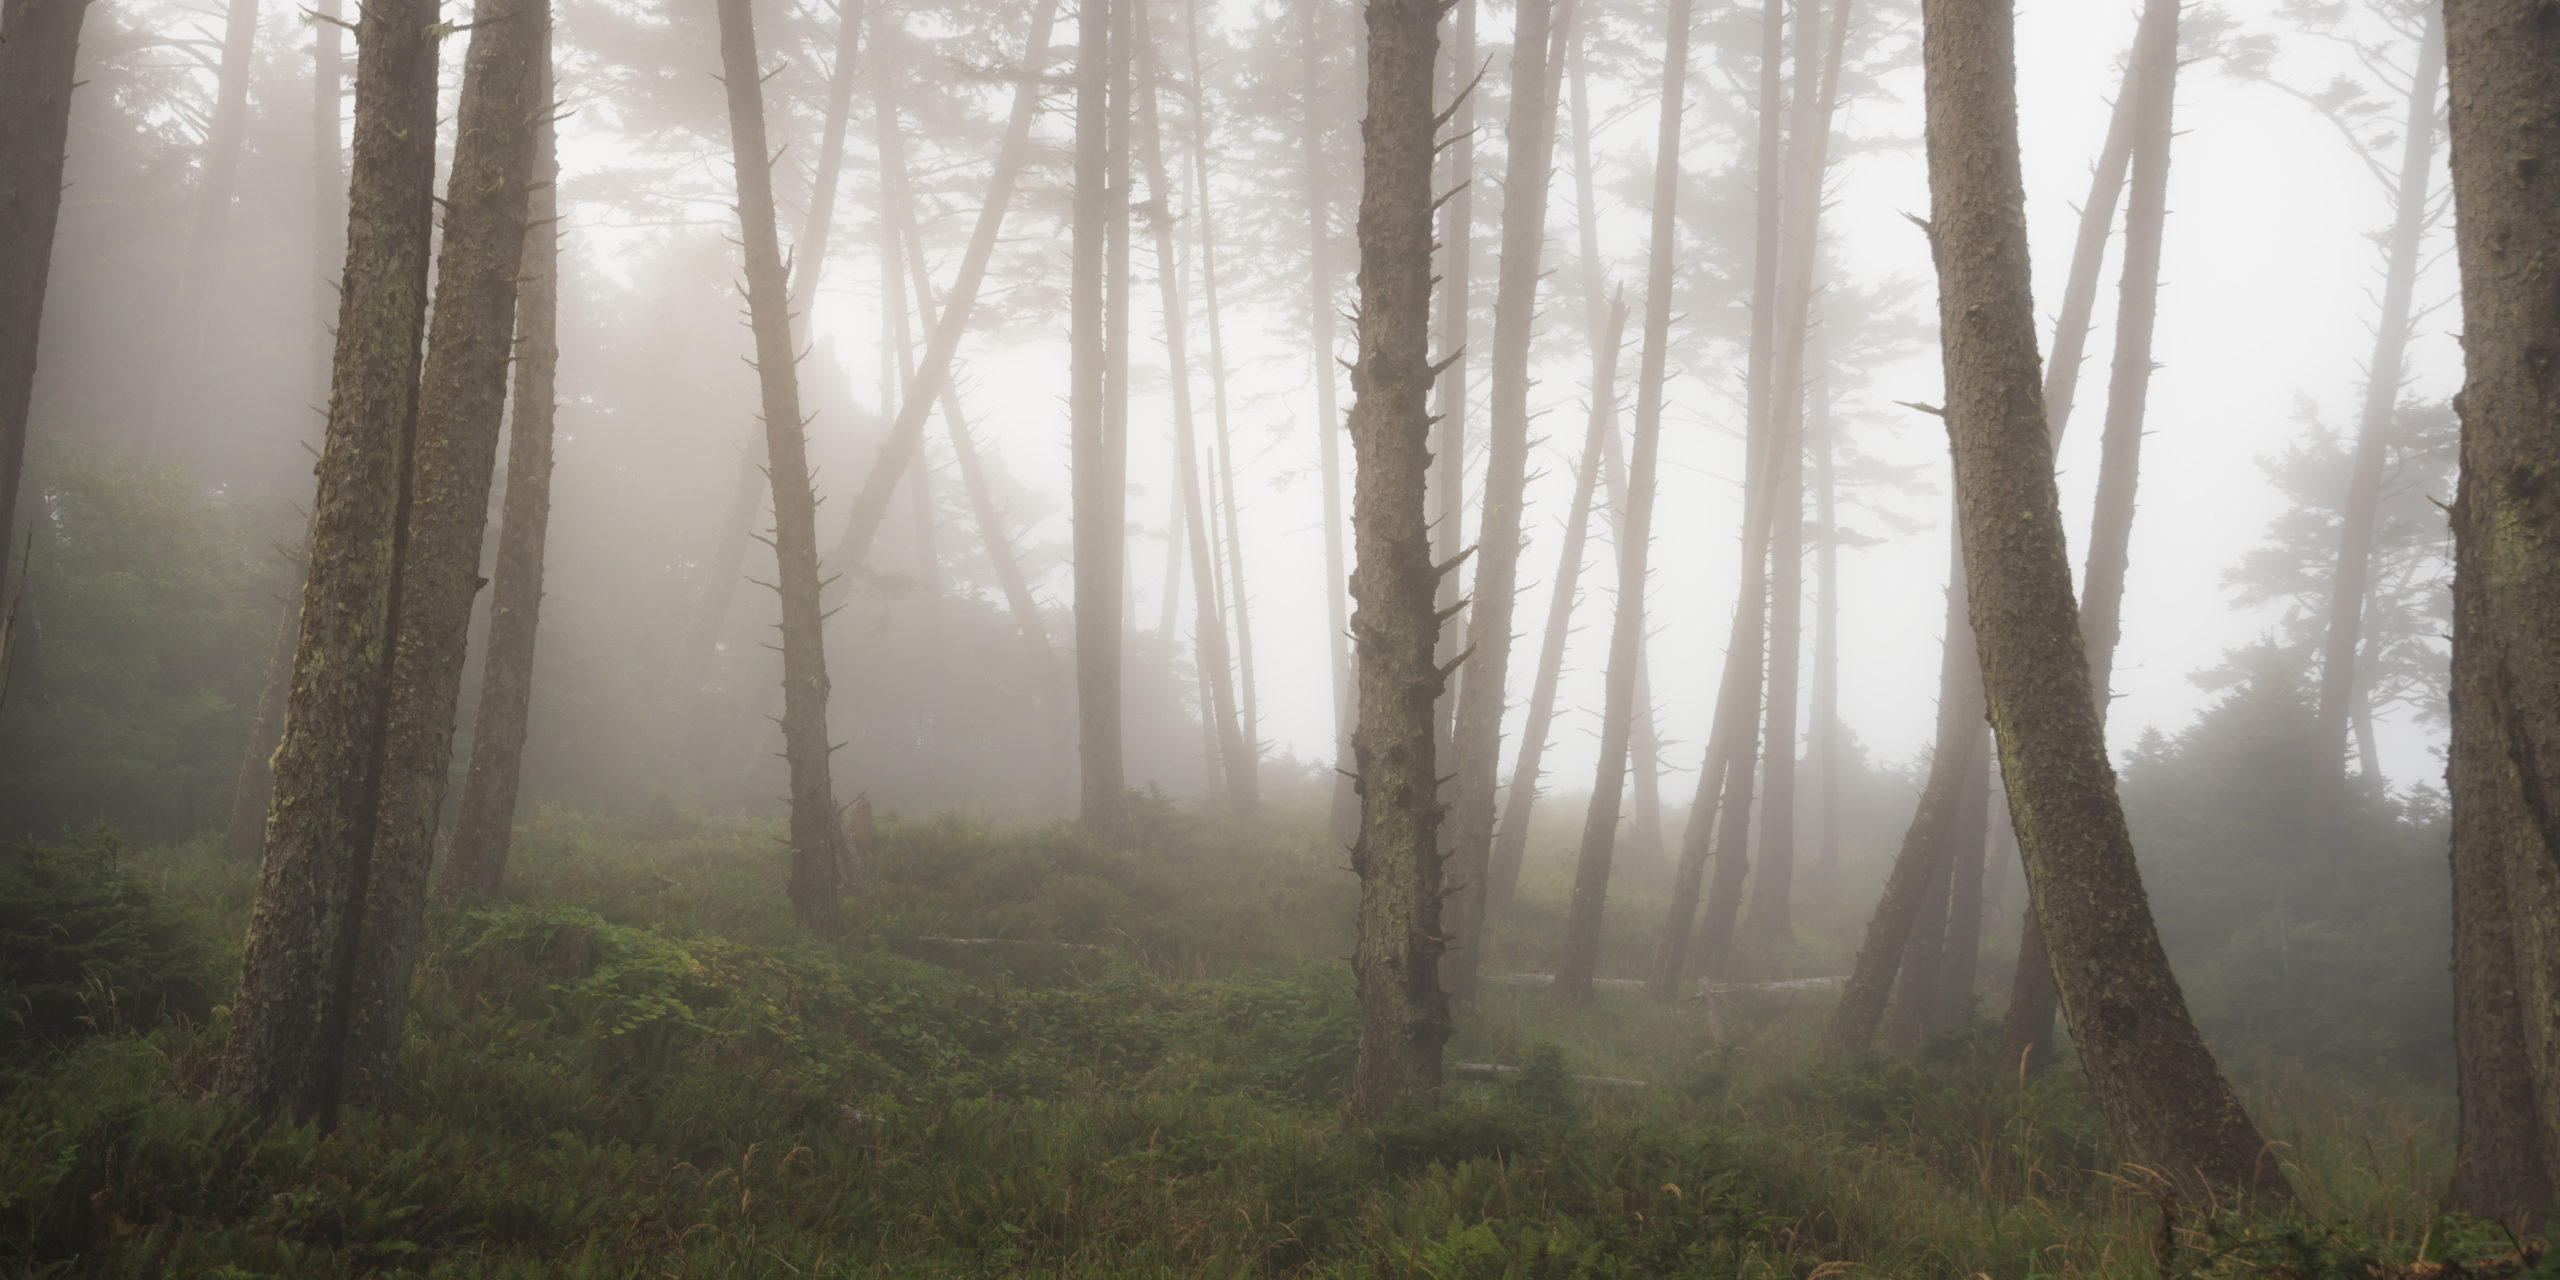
[484, 821]
[226, 134]
[1099, 489]
[1238, 599]
[39, 50]
[2166, 1104]
[709, 616]
[2341, 691]
[817, 844]
[1512, 838]
[286, 1050]
[1635, 536]
[1476, 733]
[1208, 621]
[2503, 60]
[1404, 1016]
[1346, 820]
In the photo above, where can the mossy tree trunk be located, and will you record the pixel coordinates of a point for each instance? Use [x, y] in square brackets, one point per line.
[1404, 1015]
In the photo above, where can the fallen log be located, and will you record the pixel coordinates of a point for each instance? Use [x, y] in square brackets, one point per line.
[1496, 1071]
[1009, 942]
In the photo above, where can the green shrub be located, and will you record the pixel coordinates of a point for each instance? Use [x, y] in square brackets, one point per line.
[86, 947]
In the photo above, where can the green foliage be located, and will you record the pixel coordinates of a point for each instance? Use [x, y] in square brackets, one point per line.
[86, 947]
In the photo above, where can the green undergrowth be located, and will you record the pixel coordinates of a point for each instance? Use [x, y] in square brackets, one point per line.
[635, 1065]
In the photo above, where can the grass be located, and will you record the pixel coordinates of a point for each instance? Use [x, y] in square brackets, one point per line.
[638, 1066]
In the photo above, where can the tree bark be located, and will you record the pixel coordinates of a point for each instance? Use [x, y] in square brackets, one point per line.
[1209, 622]
[2502, 58]
[39, 52]
[1100, 486]
[1404, 1016]
[484, 821]
[1476, 733]
[1635, 536]
[2341, 692]
[286, 1051]
[817, 844]
[1346, 820]
[2166, 1104]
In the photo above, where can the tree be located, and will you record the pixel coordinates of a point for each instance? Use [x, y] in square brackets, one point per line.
[2166, 1104]
[1346, 821]
[817, 843]
[1099, 493]
[1635, 537]
[39, 48]
[484, 821]
[2502, 58]
[1395, 961]
[226, 134]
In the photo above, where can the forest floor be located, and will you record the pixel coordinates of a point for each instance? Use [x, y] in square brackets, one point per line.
[636, 1065]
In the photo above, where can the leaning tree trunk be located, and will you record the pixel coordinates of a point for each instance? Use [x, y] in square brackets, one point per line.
[2089, 252]
[39, 49]
[1635, 537]
[2166, 1104]
[1915, 990]
[1210, 640]
[1395, 960]
[817, 844]
[1732, 745]
[1643, 838]
[1476, 734]
[1346, 821]
[1238, 598]
[484, 821]
[2503, 60]
[1960, 960]
[1512, 838]
[289, 1022]
[226, 134]
[2341, 693]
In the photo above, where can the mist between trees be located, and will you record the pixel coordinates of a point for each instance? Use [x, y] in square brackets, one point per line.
[1324, 637]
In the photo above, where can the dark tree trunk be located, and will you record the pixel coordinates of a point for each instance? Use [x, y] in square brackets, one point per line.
[1209, 622]
[1915, 991]
[2166, 1104]
[2341, 692]
[1099, 490]
[210, 224]
[1635, 537]
[1512, 838]
[1346, 820]
[286, 1050]
[484, 821]
[709, 616]
[817, 844]
[39, 50]
[2503, 61]
[1404, 1016]
[1968, 840]
[1476, 733]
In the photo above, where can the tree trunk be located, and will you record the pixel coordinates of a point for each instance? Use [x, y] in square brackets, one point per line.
[244, 835]
[2340, 689]
[328, 202]
[1239, 601]
[286, 1050]
[225, 136]
[1448, 489]
[1915, 992]
[817, 844]
[39, 52]
[709, 616]
[1635, 536]
[1898, 913]
[1404, 1017]
[1099, 490]
[1643, 837]
[2166, 1104]
[1346, 820]
[484, 822]
[2503, 60]
[1825, 743]
[1210, 640]
[1960, 960]
[2089, 253]
[1512, 837]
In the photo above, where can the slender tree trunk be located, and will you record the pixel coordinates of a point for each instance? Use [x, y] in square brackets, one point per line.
[1960, 961]
[2166, 1104]
[1826, 625]
[709, 616]
[244, 835]
[209, 226]
[484, 821]
[286, 1050]
[1476, 733]
[1404, 1016]
[2089, 252]
[1643, 838]
[1346, 822]
[39, 51]
[1635, 536]
[1449, 435]
[899, 350]
[328, 197]
[1511, 839]
[2503, 60]
[1210, 625]
[817, 844]
[1915, 991]
[1238, 599]
[1099, 486]
[2340, 689]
